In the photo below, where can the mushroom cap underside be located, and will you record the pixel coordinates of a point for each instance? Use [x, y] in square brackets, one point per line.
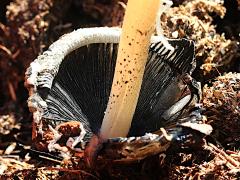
[81, 87]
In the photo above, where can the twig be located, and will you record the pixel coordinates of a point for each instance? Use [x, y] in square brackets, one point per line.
[6, 50]
[12, 91]
[225, 156]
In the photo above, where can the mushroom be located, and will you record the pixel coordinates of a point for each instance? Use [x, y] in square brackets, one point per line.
[72, 80]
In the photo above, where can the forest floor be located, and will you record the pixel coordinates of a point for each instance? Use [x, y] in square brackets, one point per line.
[28, 27]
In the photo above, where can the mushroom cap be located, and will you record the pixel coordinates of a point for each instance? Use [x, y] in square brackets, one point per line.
[72, 81]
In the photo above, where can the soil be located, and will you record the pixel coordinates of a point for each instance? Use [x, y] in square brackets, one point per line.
[28, 27]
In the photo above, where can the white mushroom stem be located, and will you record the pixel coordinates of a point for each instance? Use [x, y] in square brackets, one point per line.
[138, 27]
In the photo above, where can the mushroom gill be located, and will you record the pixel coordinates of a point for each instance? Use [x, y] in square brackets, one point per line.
[77, 87]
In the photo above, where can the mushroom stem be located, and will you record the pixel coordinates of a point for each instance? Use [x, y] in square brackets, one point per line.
[138, 27]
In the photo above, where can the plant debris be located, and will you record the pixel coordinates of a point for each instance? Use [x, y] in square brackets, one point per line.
[218, 165]
[7, 123]
[28, 27]
[222, 103]
[194, 20]
[22, 39]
